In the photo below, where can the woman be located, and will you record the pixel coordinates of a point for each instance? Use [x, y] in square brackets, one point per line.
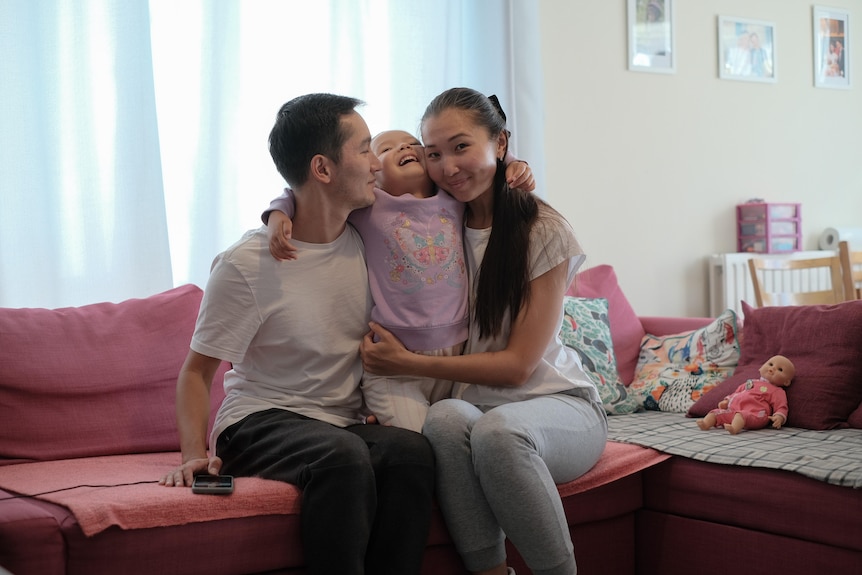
[525, 416]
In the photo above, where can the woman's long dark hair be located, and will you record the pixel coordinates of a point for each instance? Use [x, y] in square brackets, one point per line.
[504, 274]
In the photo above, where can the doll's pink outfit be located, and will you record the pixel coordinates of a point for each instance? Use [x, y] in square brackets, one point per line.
[755, 400]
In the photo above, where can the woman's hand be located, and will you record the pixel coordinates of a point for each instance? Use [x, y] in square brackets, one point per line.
[184, 475]
[387, 355]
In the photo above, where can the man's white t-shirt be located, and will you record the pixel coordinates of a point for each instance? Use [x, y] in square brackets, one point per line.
[291, 329]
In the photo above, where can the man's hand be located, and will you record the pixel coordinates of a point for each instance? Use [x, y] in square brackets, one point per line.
[184, 475]
[279, 229]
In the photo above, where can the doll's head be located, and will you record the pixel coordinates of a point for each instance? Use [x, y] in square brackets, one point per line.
[778, 370]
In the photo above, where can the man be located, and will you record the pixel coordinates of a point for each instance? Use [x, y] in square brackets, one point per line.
[292, 330]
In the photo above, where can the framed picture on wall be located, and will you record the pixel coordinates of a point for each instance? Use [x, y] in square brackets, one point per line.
[831, 47]
[746, 50]
[651, 36]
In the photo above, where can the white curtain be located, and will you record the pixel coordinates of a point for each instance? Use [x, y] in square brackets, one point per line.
[82, 217]
[134, 133]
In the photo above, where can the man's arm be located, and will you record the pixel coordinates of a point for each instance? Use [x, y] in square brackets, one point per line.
[193, 408]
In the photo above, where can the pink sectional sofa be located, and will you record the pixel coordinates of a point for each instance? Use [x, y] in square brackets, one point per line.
[87, 426]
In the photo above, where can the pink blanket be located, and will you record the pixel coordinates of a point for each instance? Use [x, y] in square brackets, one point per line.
[151, 505]
[619, 460]
[144, 505]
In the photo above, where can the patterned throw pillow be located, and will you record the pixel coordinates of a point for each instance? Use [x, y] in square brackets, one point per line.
[674, 371]
[586, 329]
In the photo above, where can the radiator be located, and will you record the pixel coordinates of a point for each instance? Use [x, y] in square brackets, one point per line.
[730, 283]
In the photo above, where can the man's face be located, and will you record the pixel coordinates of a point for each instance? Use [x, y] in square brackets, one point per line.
[354, 175]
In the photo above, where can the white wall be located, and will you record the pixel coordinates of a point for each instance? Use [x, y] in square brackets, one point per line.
[648, 168]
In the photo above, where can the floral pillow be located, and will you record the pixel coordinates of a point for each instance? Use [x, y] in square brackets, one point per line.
[587, 330]
[674, 371]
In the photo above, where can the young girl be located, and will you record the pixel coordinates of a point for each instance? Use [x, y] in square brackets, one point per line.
[417, 273]
[525, 416]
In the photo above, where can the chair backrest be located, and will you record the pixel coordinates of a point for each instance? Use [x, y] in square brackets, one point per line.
[770, 288]
[851, 268]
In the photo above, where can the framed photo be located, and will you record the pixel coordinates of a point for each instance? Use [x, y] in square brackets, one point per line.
[831, 48]
[746, 50]
[651, 36]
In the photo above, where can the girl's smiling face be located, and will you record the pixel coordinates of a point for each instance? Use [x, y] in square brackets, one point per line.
[403, 163]
[461, 156]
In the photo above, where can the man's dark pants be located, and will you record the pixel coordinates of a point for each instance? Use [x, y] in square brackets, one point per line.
[366, 489]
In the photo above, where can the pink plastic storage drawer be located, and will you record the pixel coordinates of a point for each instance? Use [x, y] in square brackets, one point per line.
[768, 228]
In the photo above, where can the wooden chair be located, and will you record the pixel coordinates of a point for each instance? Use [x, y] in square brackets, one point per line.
[851, 267]
[796, 281]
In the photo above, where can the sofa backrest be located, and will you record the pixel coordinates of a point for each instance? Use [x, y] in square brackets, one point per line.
[97, 379]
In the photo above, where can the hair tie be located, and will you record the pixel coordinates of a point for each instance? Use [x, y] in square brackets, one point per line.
[496, 103]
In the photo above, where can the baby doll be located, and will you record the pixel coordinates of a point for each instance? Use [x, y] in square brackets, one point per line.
[756, 402]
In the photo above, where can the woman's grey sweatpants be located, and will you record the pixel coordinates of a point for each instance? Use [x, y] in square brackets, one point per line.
[497, 470]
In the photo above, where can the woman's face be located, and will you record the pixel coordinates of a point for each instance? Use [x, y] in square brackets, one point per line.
[460, 155]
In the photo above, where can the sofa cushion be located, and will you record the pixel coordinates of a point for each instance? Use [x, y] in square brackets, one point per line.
[587, 330]
[822, 341]
[31, 540]
[97, 379]
[855, 419]
[626, 329]
[779, 502]
[121, 490]
[674, 371]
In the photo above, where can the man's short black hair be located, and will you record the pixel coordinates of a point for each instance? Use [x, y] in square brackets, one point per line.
[307, 126]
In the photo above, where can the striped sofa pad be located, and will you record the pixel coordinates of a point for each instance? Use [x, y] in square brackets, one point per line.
[833, 456]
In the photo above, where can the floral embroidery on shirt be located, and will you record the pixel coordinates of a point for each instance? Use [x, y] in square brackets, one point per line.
[425, 253]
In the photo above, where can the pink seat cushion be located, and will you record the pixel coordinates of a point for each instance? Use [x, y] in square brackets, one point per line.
[131, 505]
[97, 379]
[135, 500]
[31, 538]
[626, 329]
